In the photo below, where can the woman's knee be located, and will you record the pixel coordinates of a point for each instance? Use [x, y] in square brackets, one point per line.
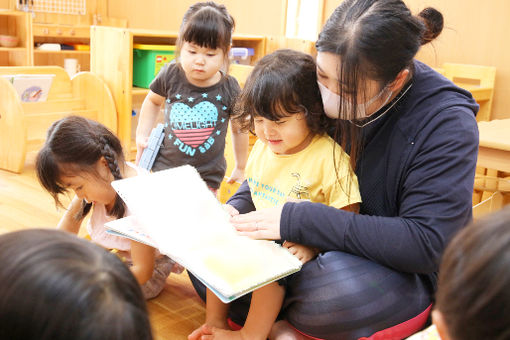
[339, 295]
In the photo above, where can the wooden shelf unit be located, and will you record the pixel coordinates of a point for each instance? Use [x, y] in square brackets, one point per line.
[112, 59]
[38, 27]
[20, 25]
[25, 54]
[23, 125]
[61, 34]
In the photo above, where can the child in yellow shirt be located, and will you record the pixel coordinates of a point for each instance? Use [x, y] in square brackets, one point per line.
[292, 158]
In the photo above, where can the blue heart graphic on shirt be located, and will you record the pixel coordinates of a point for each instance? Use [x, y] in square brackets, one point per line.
[193, 125]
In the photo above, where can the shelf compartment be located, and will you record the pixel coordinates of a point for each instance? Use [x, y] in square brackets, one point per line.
[87, 53]
[18, 24]
[139, 91]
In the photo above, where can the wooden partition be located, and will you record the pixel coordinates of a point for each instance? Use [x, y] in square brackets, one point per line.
[5, 4]
[260, 17]
[274, 43]
[23, 125]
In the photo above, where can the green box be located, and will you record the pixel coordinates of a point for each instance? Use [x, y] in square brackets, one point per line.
[148, 60]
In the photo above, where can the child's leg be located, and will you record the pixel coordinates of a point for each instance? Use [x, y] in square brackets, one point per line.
[266, 303]
[215, 316]
[215, 311]
[162, 268]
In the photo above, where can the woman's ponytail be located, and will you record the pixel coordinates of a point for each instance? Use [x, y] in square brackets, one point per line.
[433, 20]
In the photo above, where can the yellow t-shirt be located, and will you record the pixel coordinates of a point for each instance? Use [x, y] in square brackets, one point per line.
[308, 174]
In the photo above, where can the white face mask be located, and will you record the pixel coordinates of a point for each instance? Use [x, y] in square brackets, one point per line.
[331, 102]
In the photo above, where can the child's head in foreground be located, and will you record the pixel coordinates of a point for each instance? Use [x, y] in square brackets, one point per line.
[82, 155]
[281, 102]
[57, 286]
[473, 298]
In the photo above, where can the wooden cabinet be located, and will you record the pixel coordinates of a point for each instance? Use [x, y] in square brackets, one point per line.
[34, 28]
[17, 24]
[20, 24]
[112, 59]
[61, 34]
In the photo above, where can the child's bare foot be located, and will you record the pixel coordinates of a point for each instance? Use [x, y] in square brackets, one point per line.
[221, 334]
[208, 329]
[282, 330]
[197, 333]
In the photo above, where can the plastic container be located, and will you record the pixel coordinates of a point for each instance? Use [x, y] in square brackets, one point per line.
[148, 60]
[8, 40]
[81, 47]
[241, 55]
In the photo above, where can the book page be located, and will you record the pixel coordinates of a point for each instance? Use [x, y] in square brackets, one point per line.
[131, 228]
[186, 222]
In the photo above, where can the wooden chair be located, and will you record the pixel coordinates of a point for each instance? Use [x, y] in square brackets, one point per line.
[479, 80]
[489, 205]
[241, 73]
[438, 70]
[23, 125]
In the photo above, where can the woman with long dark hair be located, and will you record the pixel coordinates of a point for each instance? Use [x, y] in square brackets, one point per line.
[413, 140]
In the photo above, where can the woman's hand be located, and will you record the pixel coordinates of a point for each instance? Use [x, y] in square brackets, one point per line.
[261, 224]
[231, 211]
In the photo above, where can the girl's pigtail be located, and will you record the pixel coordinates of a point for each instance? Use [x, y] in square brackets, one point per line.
[109, 155]
[85, 208]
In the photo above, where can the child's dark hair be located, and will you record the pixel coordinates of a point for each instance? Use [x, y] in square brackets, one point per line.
[282, 83]
[474, 280]
[209, 25]
[76, 144]
[56, 286]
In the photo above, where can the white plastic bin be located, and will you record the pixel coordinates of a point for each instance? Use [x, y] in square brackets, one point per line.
[241, 55]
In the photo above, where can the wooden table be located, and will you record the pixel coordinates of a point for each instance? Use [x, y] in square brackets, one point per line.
[494, 150]
[493, 156]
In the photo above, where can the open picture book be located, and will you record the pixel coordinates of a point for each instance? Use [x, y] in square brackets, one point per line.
[174, 211]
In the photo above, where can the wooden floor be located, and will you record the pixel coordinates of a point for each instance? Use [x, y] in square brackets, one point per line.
[175, 313]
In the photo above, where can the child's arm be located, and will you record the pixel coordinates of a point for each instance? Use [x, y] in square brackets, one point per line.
[352, 208]
[71, 221]
[148, 115]
[240, 141]
[143, 257]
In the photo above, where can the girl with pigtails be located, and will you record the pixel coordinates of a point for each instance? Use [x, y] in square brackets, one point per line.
[83, 156]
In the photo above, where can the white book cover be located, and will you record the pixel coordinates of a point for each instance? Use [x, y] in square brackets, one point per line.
[178, 213]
